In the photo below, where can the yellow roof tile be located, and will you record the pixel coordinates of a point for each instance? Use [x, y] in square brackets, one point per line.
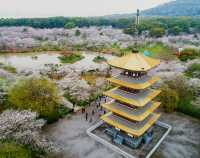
[139, 100]
[131, 84]
[134, 62]
[135, 129]
[138, 114]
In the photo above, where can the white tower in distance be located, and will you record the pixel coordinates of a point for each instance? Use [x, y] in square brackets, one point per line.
[137, 17]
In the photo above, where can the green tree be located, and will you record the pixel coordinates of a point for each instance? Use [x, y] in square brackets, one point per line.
[131, 30]
[176, 30]
[70, 25]
[169, 98]
[37, 94]
[185, 92]
[77, 33]
[193, 70]
[157, 32]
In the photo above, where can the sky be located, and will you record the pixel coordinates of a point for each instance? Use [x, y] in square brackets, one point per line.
[68, 8]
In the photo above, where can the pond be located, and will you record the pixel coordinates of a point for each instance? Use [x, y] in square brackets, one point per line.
[37, 61]
[29, 61]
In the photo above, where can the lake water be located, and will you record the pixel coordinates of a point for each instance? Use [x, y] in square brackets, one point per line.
[36, 61]
[33, 61]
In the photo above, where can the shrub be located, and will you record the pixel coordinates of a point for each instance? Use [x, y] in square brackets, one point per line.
[99, 59]
[169, 98]
[77, 33]
[71, 59]
[9, 68]
[193, 70]
[189, 109]
[63, 111]
[37, 94]
[75, 101]
[189, 54]
[13, 150]
[157, 32]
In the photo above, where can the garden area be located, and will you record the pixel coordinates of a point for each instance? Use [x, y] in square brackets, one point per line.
[33, 99]
[29, 105]
[70, 57]
[40, 90]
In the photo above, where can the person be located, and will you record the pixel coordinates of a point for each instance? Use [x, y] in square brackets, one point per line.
[83, 110]
[92, 112]
[105, 99]
[86, 116]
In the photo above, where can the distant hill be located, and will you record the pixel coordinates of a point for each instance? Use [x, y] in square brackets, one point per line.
[176, 8]
[173, 8]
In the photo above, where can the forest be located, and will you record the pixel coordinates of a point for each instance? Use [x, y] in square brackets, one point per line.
[171, 25]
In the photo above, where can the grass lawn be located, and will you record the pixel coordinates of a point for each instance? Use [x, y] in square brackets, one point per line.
[71, 59]
[159, 50]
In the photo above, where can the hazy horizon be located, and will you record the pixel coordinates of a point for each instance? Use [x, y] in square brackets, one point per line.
[72, 8]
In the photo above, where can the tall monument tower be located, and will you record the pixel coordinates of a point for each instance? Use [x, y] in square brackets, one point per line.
[137, 22]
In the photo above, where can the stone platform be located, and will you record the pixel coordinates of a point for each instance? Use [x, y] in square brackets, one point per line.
[161, 130]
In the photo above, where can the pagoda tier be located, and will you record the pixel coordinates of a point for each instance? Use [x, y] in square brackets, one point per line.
[135, 129]
[131, 113]
[139, 99]
[134, 83]
[134, 62]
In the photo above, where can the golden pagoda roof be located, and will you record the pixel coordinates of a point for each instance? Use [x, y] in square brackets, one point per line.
[130, 82]
[140, 99]
[134, 62]
[135, 114]
[133, 128]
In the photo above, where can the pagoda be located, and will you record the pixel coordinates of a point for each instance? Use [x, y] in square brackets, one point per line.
[131, 115]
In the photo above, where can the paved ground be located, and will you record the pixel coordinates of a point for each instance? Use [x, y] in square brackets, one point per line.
[184, 140]
[70, 133]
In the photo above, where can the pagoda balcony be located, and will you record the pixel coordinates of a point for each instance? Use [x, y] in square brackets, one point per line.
[135, 99]
[134, 83]
[136, 129]
[134, 114]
